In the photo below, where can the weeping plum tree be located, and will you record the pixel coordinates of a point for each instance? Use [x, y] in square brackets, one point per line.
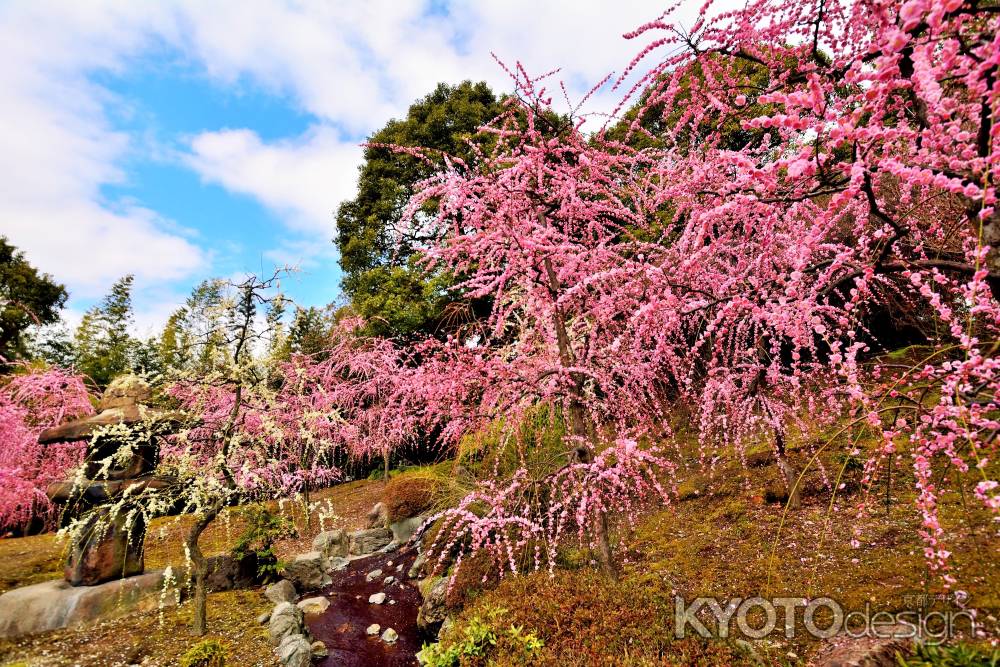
[872, 187]
[740, 278]
[31, 400]
[546, 227]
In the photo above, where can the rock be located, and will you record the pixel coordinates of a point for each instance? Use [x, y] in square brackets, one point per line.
[373, 575]
[307, 571]
[432, 612]
[418, 566]
[331, 543]
[390, 636]
[378, 516]
[56, 604]
[281, 591]
[373, 629]
[295, 651]
[226, 573]
[376, 598]
[108, 547]
[865, 651]
[404, 529]
[286, 620]
[388, 563]
[336, 564]
[314, 605]
[389, 581]
[449, 623]
[319, 649]
[368, 541]
[263, 619]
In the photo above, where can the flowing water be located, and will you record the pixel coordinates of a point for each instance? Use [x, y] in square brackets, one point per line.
[343, 626]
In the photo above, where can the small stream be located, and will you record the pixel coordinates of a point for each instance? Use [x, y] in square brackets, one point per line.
[342, 627]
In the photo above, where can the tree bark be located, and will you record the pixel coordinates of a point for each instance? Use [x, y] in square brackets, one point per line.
[790, 474]
[199, 567]
[576, 415]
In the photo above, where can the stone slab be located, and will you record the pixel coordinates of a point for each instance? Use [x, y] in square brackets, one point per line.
[56, 604]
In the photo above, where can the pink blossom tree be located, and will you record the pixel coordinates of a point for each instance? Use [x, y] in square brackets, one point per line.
[871, 183]
[737, 272]
[31, 400]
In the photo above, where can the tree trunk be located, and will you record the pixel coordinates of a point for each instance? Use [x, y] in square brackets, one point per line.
[199, 566]
[305, 507]
[790, 474]
[385, 458]
[577, 417]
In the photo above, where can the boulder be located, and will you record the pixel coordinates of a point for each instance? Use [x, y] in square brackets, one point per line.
[56, 604]
[389, 581]
[331, 543]
[295, 651]
[307, 571]
[336, 564]
[378, 516]
[226, 573]
[281, 591]
[432, 612]
[376, 598]
[373, 575]
[404, 529]
[264, 618]
[373, 629]
[286, 620]
[368, 541]
[314, 605]
[389, 636]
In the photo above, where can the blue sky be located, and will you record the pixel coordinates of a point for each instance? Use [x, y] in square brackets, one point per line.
[183, 140]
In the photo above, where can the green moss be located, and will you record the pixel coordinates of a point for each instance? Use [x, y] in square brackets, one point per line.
[208, 653]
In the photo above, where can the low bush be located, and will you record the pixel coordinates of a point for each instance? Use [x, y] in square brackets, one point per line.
[480, 642]
[263, 529]
[408, 495]
[208, 653]
[957, 655]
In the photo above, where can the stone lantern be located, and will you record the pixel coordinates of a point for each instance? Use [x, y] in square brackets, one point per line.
[111, 544]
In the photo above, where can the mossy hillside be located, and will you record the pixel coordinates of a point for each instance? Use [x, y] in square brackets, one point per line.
[723, 539]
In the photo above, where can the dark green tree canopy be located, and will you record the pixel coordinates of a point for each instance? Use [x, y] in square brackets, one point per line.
[27, 298]
[381, 279]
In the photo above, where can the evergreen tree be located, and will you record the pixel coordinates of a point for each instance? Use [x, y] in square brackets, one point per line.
[104, 346]
[310, 330]
[384, 283]
[27, 298]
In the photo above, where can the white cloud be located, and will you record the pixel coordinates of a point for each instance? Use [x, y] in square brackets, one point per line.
[302, 179]
[57, 150]
[351, 65]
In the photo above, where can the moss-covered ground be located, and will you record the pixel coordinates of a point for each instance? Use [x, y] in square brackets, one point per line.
[728, 536]
[160, 637]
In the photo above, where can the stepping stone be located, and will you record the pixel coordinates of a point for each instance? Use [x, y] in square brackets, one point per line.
[315, 605]
[376, 598]
[389, 636]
